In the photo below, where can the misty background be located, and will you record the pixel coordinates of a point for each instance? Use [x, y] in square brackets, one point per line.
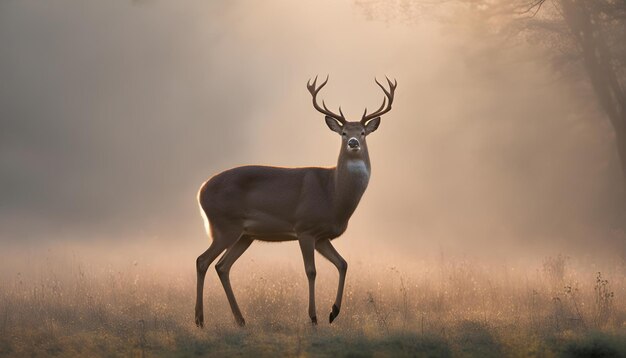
[113, 113]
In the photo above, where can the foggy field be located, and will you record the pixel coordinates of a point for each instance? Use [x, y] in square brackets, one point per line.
[494, 220]
[66, 306]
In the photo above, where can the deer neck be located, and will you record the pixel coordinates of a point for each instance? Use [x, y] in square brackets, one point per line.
[351, 177]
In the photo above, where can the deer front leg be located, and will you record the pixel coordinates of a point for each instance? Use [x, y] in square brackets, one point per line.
[307, 245]
[327, 250]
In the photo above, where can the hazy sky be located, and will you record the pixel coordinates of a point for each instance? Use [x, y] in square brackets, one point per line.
[112, 113]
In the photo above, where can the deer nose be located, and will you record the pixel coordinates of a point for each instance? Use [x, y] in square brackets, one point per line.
[353, 143]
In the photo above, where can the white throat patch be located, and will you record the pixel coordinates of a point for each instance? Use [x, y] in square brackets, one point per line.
[358, 167]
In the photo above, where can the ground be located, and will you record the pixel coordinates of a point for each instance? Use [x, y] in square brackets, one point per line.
[60, 305]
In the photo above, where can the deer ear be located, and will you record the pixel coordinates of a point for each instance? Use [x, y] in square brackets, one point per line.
[372, 125]
[333, 124]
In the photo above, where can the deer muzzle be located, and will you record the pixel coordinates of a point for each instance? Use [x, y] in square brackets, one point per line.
[353, 144]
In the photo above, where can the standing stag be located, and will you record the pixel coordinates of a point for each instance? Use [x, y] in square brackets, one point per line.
[311, 205]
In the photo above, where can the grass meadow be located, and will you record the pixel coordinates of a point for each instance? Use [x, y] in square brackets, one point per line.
[61, 305]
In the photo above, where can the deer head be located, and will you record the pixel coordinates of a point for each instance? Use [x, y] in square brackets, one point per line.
[353, 133]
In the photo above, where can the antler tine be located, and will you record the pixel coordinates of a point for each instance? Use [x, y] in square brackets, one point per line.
[314, 91]
[386, 106]
[341, 112]
[383, 87]
[312, 86]
[379, 108]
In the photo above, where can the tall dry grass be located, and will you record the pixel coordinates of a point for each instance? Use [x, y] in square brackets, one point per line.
[66, 305]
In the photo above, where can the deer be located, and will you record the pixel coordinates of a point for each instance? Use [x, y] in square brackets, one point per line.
[309, 204]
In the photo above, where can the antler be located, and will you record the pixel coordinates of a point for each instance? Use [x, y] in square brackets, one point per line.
[312, 88]
[388, 96]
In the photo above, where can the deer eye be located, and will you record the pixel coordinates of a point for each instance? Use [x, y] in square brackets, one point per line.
[344, 134]
[362, 133]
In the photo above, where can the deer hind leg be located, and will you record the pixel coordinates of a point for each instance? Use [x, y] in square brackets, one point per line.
[327, 250]
[223, 270]
[202, 264]
[307, 245]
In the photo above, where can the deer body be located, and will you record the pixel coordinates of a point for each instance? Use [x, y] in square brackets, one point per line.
[315, 201]
[310, 204]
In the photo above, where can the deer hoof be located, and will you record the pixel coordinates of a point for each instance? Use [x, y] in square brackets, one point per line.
[333, 314]
[314, 320]
[241, 322]
[199, 321]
